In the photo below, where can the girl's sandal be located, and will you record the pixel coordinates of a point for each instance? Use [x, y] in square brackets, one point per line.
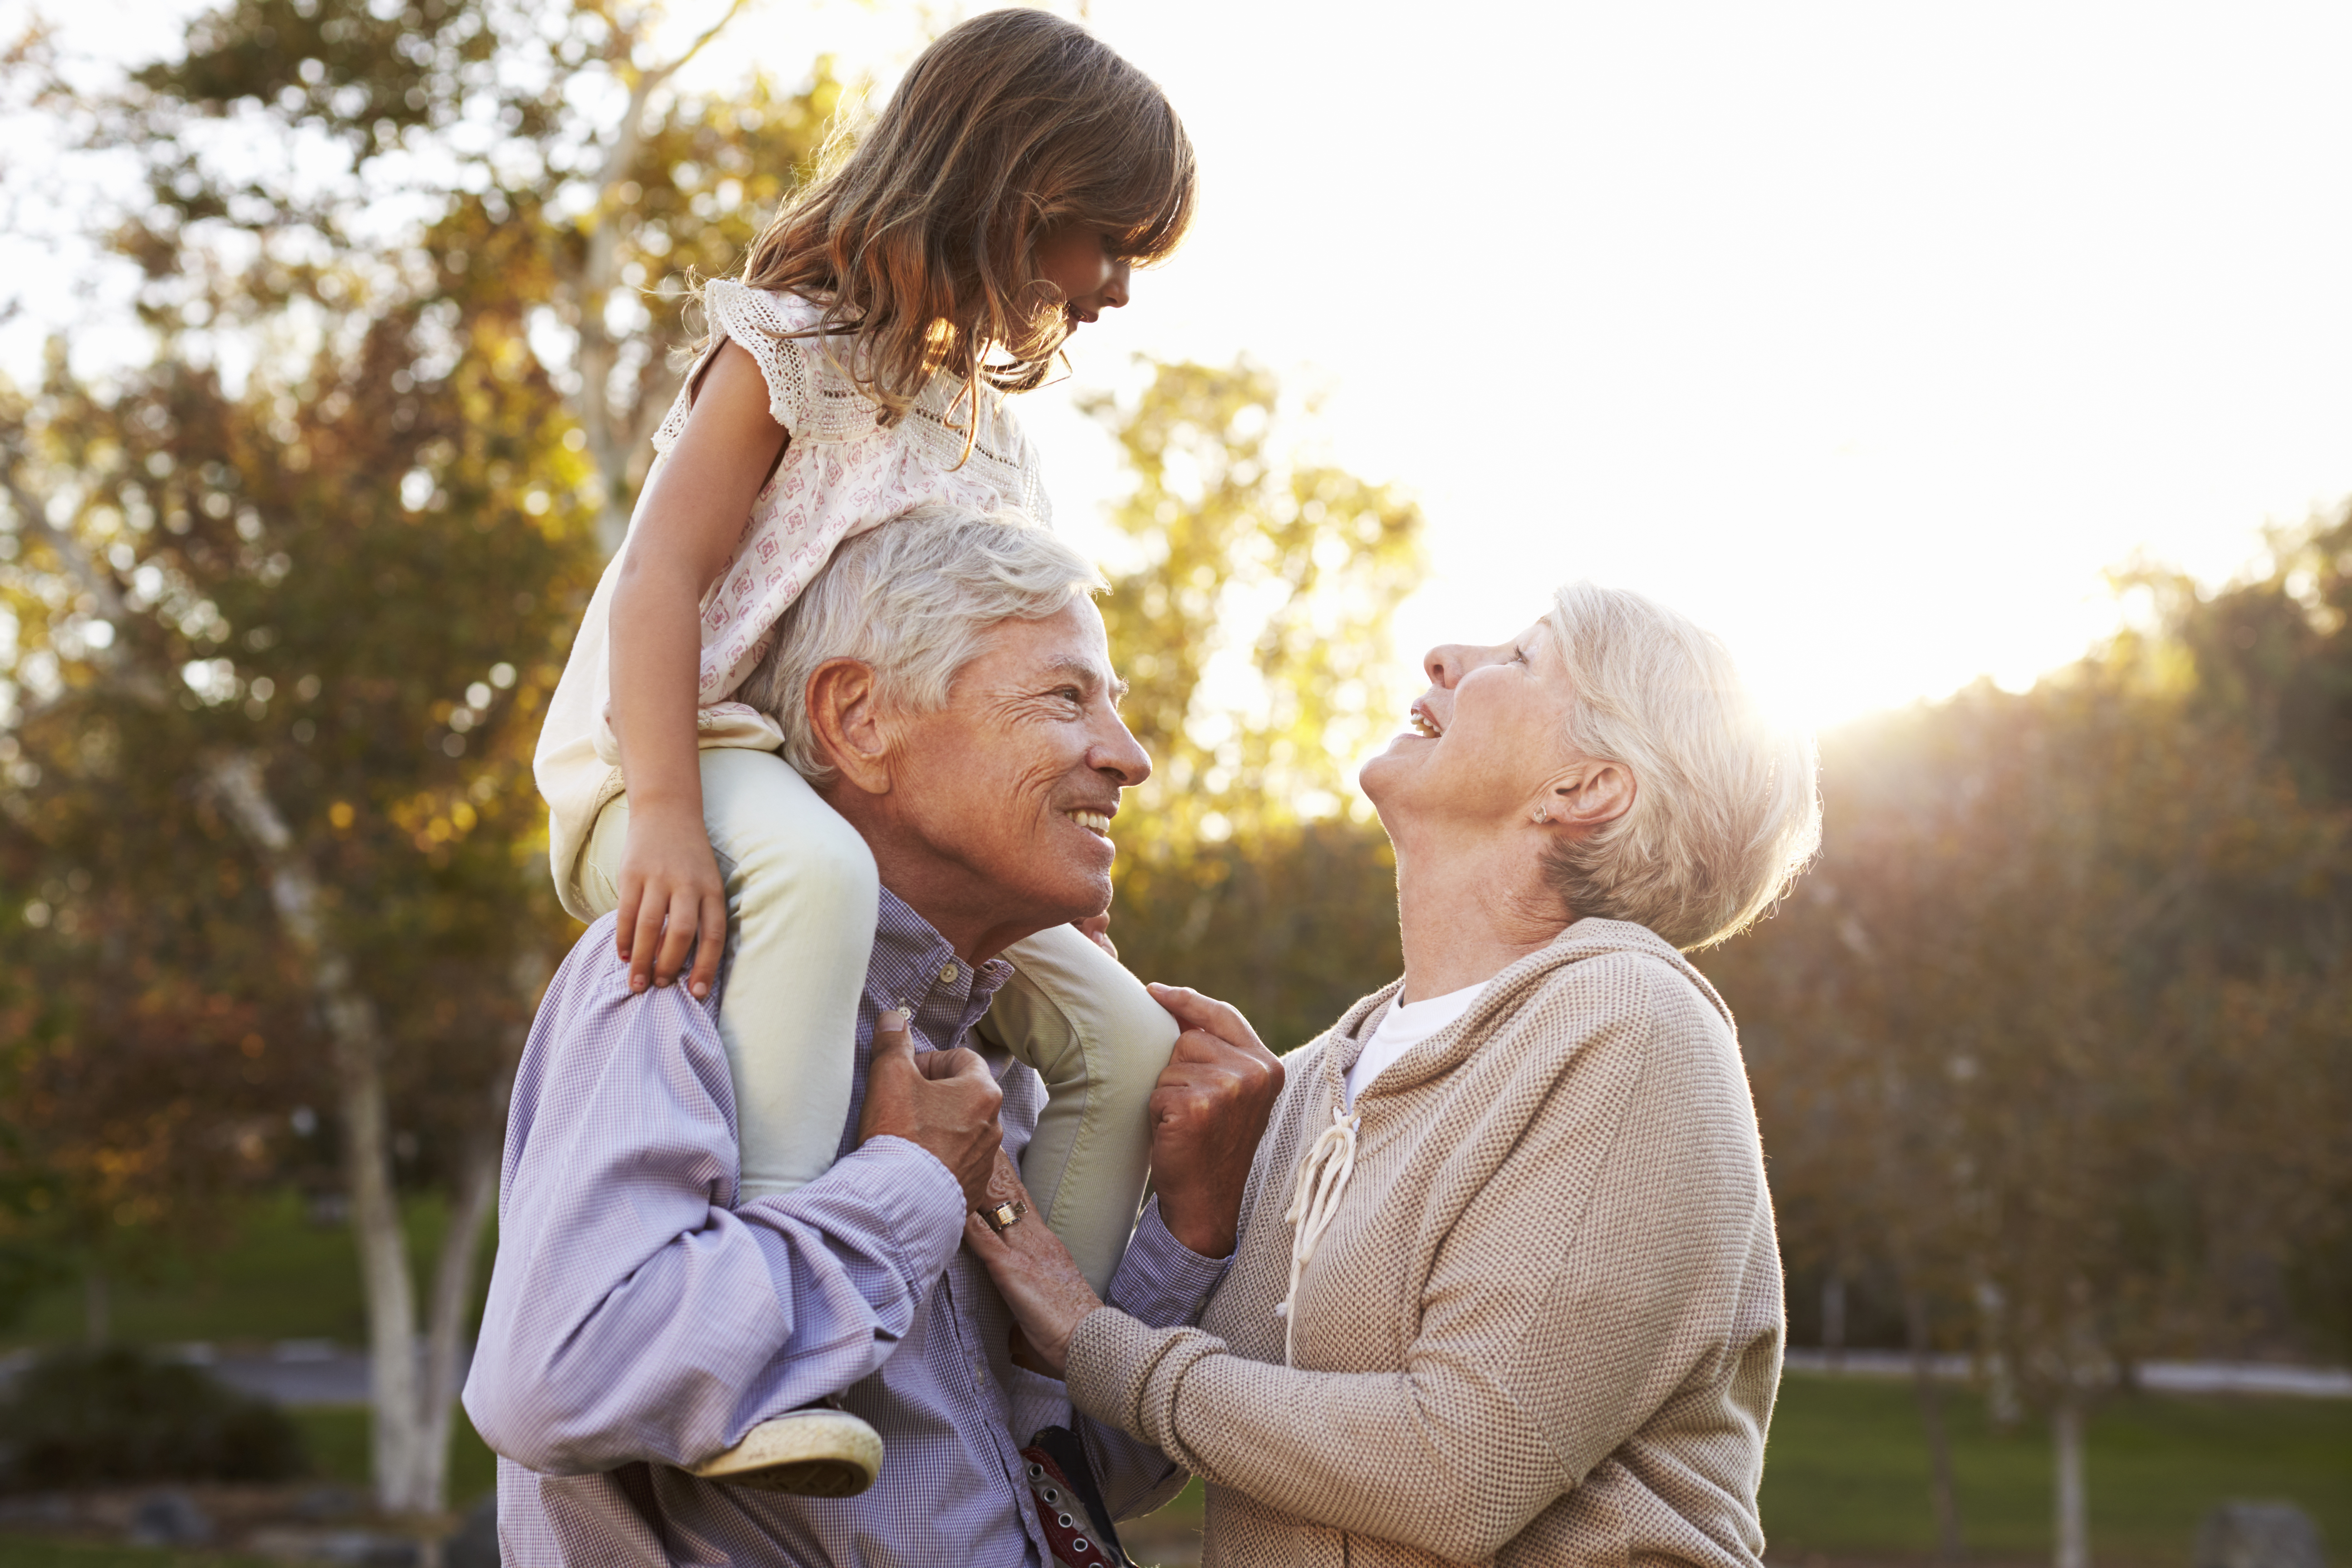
[814, 1451]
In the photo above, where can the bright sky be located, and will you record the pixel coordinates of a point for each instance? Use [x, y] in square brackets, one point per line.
[1868, 334]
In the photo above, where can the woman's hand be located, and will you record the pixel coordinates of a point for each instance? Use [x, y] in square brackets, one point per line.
[670, 894]
[1034, 1272]
[1208, 1112]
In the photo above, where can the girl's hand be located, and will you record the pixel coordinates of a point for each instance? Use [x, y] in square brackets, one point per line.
[1034, 1272]
[671, 894]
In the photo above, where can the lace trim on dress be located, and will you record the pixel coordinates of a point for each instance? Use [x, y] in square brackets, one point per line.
[814, 401]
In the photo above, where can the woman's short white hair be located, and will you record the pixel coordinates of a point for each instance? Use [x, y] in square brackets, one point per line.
[1726, 807]
[912, 600]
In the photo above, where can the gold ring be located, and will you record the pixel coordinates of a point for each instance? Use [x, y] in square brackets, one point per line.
[1003, 1215]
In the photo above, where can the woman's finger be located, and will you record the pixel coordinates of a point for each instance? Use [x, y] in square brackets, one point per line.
[1195, 1011]
[985, 1244]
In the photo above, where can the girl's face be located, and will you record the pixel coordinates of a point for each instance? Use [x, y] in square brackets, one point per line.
[1077, 259]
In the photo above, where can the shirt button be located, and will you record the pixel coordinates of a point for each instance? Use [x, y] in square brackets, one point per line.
[948, 975]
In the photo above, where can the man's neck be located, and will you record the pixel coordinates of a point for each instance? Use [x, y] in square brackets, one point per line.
[970, 915]
[1468, 910]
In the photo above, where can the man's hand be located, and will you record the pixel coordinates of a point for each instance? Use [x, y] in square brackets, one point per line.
[944, 1101]
[1207, 1115]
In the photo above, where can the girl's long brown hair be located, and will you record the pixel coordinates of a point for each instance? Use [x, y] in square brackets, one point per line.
[920, 237]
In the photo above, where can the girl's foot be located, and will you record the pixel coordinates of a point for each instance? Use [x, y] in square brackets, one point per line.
[814, 1451]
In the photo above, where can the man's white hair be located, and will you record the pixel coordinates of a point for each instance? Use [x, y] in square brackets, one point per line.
[912, 600]
[1726, 807]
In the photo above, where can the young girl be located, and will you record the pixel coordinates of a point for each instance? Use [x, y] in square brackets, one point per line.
[855, 373]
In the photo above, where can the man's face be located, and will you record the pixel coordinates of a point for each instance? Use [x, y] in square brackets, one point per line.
[1009, 790]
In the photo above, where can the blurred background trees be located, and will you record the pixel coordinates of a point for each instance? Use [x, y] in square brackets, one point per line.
[2053, 1049]
[286, 602]
[1254, 631]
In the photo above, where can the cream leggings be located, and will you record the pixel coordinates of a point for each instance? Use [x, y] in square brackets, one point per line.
[801, 897]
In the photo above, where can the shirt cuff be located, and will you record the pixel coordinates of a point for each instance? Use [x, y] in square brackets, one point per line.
[1160, 1281]
[911, 1207]
[1110, 1361]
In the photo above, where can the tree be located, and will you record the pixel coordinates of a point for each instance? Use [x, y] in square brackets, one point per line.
[1255, 634]
[321, 605]
[2043, 1033]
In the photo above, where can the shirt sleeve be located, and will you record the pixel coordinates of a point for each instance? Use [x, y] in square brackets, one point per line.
[633, 1315]
[1164, 1283]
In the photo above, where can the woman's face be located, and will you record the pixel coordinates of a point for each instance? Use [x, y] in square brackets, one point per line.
[1488, 737]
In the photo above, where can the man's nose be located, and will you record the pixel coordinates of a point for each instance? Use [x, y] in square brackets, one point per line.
[1119, 756]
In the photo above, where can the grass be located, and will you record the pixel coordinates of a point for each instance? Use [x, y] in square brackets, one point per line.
[1845, 1475]
[1846, 1471]
[276, 1276]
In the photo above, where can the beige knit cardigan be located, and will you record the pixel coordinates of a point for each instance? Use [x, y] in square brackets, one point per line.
[1546, 1323]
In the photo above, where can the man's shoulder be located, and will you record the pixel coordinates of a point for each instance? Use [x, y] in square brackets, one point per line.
[590, 1010]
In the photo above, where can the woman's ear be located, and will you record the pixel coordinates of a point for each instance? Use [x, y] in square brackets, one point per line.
[845, 711]
[1587, 797]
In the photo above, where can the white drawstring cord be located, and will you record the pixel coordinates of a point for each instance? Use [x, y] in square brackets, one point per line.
[1322, 1178]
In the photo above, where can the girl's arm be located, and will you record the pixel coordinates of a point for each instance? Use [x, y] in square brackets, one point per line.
[669, 885]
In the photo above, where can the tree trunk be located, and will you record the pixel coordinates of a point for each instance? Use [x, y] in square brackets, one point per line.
[2074, 1522]
[1942, 1493]
[2002, 1402]
[357, 1036]
[453, 1293]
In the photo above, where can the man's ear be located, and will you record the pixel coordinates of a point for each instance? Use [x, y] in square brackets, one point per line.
[846, 711]
[1589, 796]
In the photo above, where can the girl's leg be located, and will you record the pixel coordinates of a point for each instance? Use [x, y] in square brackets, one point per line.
[801, 902]
[801, 897]
[1098, 1040]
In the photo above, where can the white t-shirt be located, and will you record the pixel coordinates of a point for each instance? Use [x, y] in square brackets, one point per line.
[1406, 1026]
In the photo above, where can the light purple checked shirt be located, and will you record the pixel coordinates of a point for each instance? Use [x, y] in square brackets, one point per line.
[640, 1319]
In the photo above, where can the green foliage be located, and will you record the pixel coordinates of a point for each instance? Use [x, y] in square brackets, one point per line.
[1254, 638]
[359, 564]
[79, 1418]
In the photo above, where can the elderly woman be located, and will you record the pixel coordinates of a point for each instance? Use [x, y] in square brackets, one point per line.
[1504, 1286]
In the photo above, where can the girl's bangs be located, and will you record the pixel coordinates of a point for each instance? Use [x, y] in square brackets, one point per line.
[1151, 216]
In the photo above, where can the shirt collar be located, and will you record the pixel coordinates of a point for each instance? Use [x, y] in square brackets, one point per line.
[914, 966]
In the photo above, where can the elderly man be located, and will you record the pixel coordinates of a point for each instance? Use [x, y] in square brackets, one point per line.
[641, 1319]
